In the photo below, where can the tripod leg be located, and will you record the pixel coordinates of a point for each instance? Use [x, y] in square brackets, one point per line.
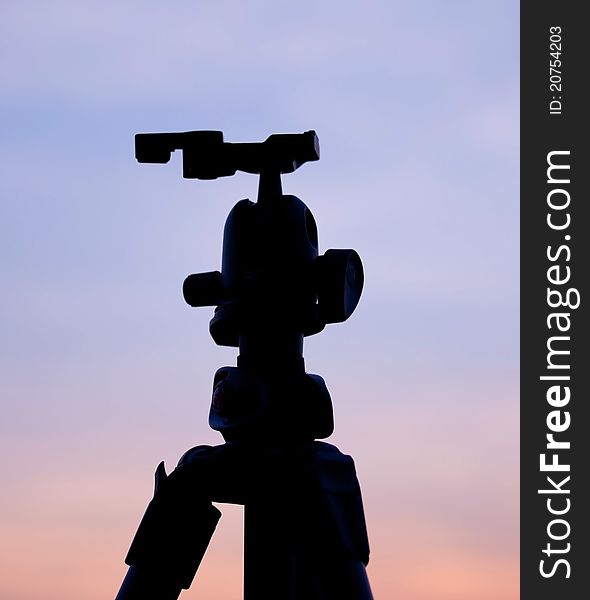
[170, 541]
[333, 547]
[305, 533]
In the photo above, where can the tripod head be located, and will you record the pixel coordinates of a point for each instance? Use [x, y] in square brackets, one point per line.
[273, 288]
[207, 156]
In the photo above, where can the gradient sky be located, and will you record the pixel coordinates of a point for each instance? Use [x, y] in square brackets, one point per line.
[104, 371]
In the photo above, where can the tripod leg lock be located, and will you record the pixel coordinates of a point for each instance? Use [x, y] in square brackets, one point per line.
[341, 511]
[175, 531]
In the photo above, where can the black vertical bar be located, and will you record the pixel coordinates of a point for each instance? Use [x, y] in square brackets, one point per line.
[555, 248]
[268, 566]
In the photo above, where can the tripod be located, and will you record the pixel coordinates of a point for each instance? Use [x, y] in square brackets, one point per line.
[305, 534]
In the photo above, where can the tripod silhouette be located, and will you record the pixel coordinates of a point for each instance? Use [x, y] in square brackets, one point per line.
[305, 534]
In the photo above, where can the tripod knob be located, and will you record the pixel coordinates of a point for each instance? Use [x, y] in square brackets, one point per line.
[340, 278]
[203, 289]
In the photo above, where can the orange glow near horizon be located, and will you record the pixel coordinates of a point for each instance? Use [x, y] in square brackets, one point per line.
[442, 525]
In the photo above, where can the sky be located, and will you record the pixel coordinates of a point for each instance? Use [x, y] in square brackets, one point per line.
[104, 371]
